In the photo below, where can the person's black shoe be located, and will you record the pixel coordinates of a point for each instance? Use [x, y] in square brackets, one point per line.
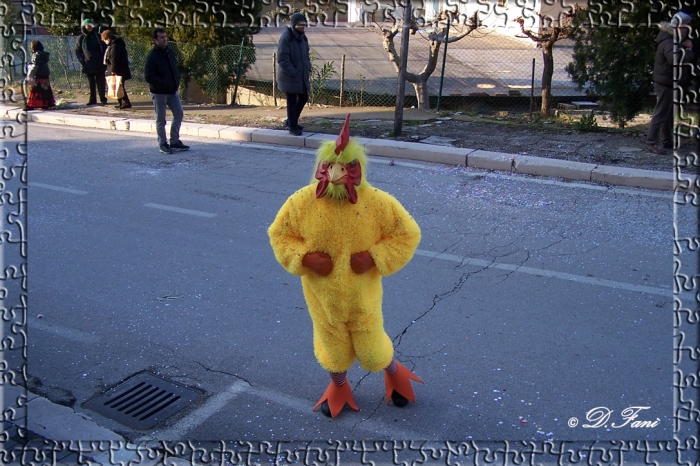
[295, 131]
[90, 104]
[118, 106]
[398, 399]
[286, 125]
[165, 148]
[178, 145]
[125, 106]
[325, 409]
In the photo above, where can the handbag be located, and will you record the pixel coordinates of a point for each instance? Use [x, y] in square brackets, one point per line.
[115, 87]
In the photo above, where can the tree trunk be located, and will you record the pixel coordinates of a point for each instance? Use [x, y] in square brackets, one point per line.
[421, 88]
[547, 72]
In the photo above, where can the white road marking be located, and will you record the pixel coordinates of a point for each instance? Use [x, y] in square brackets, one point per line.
[546, 273]
[57, 188]
[198, 416]
[63, 332]
[179, 210]
[219, 401]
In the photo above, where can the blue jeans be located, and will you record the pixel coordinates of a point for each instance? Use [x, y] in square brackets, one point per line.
[175, 106]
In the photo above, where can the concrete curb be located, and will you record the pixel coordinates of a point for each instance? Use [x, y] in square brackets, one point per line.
[481, 159]
[57, 422]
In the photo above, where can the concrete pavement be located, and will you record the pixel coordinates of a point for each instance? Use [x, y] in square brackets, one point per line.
[482, 159]
[46, 420]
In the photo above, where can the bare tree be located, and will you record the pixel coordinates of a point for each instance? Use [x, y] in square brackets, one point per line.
[551, 31]
[436, 37]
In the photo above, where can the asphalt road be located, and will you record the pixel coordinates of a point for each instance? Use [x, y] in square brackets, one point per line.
[550, 299]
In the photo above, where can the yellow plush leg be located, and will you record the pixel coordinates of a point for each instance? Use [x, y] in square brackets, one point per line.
[401, 382]
[337, 397]
[371, 343]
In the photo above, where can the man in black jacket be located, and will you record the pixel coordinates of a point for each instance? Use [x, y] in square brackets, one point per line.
[662, 119]
[163, 78]
[90, 51]
[295, 68]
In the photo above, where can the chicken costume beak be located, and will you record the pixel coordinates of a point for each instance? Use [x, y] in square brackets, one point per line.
[337, 174]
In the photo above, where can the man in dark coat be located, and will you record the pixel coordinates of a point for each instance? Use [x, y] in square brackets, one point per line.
[293, 77]
[90, 51]
[117, 61]
[662, 119]
[163, 78]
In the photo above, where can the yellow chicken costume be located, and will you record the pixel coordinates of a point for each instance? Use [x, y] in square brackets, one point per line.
[341, 236]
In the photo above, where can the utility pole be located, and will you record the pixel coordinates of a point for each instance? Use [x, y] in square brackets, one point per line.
[398, 114]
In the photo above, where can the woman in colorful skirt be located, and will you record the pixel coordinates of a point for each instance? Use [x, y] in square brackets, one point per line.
[40, 93]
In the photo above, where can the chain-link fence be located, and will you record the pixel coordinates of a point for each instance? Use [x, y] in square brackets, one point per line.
[490, 67]
[486, 68]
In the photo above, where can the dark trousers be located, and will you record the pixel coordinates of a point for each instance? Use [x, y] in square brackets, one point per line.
[97, 81]
[662, 119]
[295, 104]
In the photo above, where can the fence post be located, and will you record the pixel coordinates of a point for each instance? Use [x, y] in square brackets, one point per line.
[532, 88]
[400, 95]
[238, 72]
[444, 59]
[342, 79]
[274, 77]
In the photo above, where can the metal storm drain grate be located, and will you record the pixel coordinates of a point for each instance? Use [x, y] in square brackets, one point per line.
[142, 401]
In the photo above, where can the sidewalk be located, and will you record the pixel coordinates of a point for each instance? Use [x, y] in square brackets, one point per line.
[480, 159]
[52, 431]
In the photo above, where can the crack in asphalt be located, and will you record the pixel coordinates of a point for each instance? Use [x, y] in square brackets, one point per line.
[462, 279]
[382, 400]
[376, 408]
[223, 372]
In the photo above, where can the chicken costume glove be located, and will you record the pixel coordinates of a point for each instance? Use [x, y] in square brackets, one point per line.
[341, 236]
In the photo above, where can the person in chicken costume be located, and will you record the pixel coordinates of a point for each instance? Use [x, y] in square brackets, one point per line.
[341, 235]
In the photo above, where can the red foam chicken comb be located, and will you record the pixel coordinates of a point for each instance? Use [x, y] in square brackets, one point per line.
[343, 137]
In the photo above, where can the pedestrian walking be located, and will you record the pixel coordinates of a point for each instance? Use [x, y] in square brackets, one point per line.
[117, 63]
[662, 118]
[295, 69]
[163, 79]
[40, 93]
[90, 52]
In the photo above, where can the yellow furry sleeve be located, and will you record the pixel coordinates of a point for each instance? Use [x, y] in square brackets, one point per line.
[400, 236]
[287, 242]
